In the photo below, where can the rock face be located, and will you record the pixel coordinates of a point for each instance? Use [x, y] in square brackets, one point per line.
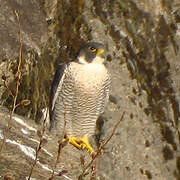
[19, 152]
[34, 32]
[142, 41]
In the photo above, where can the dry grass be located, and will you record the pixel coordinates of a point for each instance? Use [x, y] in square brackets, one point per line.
[17, 79]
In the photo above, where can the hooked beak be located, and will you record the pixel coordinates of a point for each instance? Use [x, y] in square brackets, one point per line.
[101, 53]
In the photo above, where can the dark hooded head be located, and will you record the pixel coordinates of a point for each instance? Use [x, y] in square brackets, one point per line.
[92, 52]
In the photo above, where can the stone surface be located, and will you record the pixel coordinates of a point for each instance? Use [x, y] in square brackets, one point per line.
[142, 40]
[19, 152]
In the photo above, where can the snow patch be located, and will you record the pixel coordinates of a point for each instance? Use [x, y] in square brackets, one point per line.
[24, 131]
[1, 134]
[42, 148]
[27, 150]
[20, 121]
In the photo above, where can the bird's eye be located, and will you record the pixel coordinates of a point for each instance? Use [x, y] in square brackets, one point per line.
[92, 49]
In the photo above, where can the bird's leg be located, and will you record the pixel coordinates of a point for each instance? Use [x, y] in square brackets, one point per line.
[81, 143]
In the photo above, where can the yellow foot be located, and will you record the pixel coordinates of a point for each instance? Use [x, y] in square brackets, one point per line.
[81, 143]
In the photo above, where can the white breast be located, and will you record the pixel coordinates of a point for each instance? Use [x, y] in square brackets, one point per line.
[89, 76]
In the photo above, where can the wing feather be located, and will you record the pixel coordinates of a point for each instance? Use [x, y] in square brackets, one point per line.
[56, 86]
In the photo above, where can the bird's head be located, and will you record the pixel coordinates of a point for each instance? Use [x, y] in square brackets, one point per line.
[92, 52]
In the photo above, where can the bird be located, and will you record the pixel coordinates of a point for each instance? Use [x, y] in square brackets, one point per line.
[79, 94]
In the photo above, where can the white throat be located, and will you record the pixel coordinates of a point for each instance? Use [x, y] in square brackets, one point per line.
[96, 60]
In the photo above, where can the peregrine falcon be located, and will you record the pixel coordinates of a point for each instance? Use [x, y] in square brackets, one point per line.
[79, 94]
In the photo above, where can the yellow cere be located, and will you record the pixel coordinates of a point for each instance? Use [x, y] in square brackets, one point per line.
[100, 51]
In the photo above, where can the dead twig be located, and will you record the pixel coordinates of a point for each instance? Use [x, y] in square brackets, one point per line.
[7, 87]
[99, 152]
[17, 77]
[42, 140]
